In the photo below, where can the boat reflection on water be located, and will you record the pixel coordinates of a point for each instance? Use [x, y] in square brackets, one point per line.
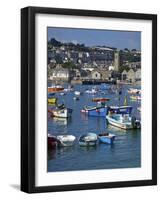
[52, 153]
[88, 148]
[60, 121]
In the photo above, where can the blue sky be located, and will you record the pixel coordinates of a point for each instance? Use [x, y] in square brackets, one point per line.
[93, 37]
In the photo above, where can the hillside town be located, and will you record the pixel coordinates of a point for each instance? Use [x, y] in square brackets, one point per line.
[77, 63]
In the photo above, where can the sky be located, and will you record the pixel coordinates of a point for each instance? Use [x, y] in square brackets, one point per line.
[93, 37]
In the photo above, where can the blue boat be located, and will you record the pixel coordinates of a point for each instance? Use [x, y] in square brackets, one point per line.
[51, 94]
[100, 110]
[106, 138]
[120, 109]
[89, 139]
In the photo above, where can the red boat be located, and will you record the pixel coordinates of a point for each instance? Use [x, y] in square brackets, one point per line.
[100, 99]
[52, 141]
[56, 88]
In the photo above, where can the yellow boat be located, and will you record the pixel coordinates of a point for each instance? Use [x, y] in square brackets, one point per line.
[135, 98]
[52, 100]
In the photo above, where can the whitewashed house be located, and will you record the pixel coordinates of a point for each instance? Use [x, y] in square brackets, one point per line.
[131, 76]
[138, 75]
[96, 74]
[60, 73]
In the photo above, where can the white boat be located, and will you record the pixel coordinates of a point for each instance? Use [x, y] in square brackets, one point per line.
[64, 113]
[93, 91]
[77, 93]
[66, 140]
[134, 91]
[123, 121]
[89, 139]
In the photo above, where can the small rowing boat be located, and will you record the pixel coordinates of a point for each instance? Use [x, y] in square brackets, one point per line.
[106, 138]
[66, 140]
[52, 141]
[89, 139]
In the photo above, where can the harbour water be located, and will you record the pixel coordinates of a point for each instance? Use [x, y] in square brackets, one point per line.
[124, 153]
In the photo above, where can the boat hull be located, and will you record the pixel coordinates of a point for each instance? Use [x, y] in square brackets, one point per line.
[118, 124]
[89, 139]
[120, 109]
[87, 143]
[52, 100]
[96, 112]
[66, 140]
[52, 141]
[54, 89]
[63, 113]
[106, 139]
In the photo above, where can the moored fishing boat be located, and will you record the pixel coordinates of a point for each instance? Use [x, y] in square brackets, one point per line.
[100, 110]
[55, 88]
[52, 100]
[64, 112]
[123, 121]
[106, 138]
[89, 139]
[66, 140]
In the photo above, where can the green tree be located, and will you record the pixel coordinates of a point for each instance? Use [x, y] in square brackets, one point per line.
[69, 65]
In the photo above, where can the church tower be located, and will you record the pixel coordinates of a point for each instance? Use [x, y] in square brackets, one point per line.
[116, 60]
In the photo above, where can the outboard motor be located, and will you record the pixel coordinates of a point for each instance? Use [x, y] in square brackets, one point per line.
[135, 122]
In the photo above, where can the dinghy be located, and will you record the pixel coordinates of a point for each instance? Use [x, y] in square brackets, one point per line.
[52, 141]
[89, 139]
[66, 140]
[106, 138]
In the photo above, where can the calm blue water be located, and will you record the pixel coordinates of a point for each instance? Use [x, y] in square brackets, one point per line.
[124, 153]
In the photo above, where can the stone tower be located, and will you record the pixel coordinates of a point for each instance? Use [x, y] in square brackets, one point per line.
[116, 60]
